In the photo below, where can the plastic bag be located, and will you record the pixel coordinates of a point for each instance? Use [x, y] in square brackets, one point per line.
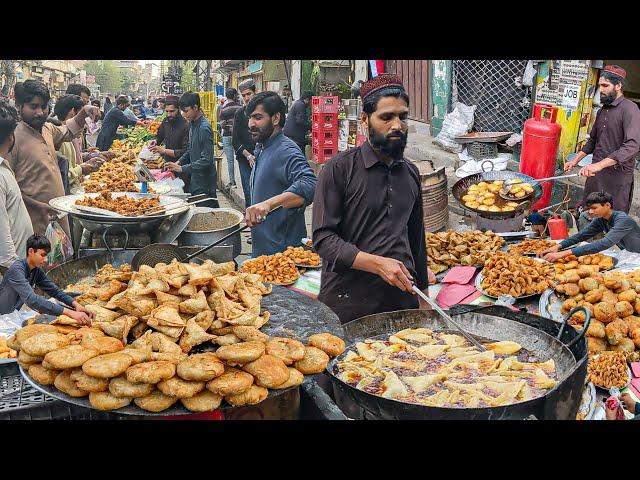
[458, 122]
[10, 323]
[61, 247]
[146, 154]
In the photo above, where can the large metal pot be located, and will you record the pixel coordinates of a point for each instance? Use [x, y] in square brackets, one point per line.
[207, 237]
[536, 334]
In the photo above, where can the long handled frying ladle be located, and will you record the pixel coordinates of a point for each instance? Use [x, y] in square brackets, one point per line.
[504, 191]
[444, 315]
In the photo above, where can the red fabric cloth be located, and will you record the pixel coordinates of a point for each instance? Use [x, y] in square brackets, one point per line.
[616, 70]
[635, 368]
[453, 294]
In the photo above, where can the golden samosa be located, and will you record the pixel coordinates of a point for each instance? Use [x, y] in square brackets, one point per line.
[195, 305]
[194, 335]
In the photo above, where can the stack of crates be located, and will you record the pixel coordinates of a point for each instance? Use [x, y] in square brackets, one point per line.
[324, 128]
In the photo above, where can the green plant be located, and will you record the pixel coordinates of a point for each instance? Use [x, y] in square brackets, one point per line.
[315, 78]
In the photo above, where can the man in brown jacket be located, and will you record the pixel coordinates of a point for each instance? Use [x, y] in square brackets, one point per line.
[33, 159]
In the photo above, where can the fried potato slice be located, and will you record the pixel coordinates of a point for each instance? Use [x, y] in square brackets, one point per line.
[108, 365]
[42, 343]
[241, 353]
[102, 344]
[107, 401]
[269, 371]
[87, 383]
[314, 361]
[64, 383]
[204, 401]
[42, 375]
[328, 343]
[200, 367]
[177, 387]
[253, 395]
[286, 349]
[250, 334]
[231, 382]
[71, 356]
[122, 388]
[295, 378]
[151, 372]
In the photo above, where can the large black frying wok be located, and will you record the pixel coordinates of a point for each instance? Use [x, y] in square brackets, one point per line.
[460, 187]
[534, 333]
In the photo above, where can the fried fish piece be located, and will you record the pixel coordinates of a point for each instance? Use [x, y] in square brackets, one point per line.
[71, 356]
[253, 395]
[295, 378]
[121, 387]
[33, 329]
[328, 343]
[42, 375]
[286, 349]
[87, 383]
[241, 353]
[151, 372]
[314, 361]
[231, 382]
[194, 335]
[42, 343]
[64, 383]
[177, 387]
[200, 367]
[204, 401]
[107, 401]
[250, 334]
[102, 344]
[269, 371]
[108, 365]
[156, 401]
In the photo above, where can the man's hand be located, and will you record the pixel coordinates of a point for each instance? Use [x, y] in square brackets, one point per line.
[108, 155]
[256, 214]
[251, 159]
[552, 257]
[81, 317]
[555, 248]
[92, 112]
[570, 165]
[394, 273]
[589, 170]
[628, 403]
[173, 167]
[92, 165]
[80, 308]
[431, 277]
[158, 149]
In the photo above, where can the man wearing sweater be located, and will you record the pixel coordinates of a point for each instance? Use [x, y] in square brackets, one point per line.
[619, 229]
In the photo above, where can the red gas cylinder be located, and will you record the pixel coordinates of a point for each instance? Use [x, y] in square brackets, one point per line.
[557, 228]
[540, 140]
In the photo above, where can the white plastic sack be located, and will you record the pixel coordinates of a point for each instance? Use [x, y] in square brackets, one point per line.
[456, 123]
[472, 166]
[10, 323]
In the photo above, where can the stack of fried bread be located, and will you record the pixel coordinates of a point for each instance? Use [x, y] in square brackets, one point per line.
[177, 332]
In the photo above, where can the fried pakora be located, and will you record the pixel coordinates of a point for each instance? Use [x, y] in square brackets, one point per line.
[107, 401]
[241, 353]
[200, 367]
[204, 401]
[108, 365]
[121, 387]
[42, 375]
[42, 343]
[295, 378]
[71, 356]
[269, 371]
[314, 361]
[151, 372]
[253, 395]
[329, 344]
[156, 401]
[64, 383]
[249, 334]
[286, 349]
[231, 382]
[87, 383]
[102, 344]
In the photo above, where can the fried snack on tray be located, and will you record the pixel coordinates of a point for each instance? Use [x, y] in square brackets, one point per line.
[124, 205]
[302, 256]
[608, 369]
[5, 350]
[113, 176]
[448, 249]
[530, 245]
[596, 261]
[515, 275]
[276, 268]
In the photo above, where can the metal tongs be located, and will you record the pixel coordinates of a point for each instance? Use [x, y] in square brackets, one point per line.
[444, 315]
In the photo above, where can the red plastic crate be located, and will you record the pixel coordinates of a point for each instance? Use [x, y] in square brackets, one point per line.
[325, 138]
[322, 155]
[325, 104]
[324, 121]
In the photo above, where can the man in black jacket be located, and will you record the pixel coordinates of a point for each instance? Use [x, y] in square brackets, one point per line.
[226, 117]
[242, 140]
[111, 122]
[297, 124]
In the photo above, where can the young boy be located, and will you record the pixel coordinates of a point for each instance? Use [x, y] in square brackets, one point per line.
[16, 288]
[619, 229]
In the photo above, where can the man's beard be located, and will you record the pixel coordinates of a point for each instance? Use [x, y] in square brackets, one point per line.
[263, 133]
[607, 99]
[37, 123]
[392, 145]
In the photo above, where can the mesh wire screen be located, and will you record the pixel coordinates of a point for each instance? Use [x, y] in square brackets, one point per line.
[495, 86]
